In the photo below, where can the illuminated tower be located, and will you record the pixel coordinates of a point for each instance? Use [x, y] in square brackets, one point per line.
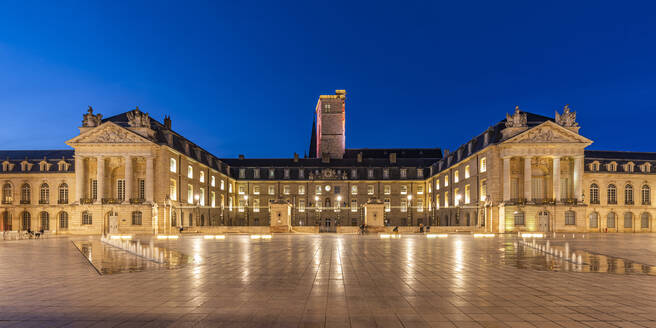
[330, 129]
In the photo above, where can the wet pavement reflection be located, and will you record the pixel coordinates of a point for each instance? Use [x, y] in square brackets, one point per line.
[108, 259]
[533, 255]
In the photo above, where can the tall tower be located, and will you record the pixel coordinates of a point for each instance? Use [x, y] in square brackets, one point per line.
[331, 115]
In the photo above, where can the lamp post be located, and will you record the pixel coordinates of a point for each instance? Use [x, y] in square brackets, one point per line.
[339, 208]
[197, 203]
[410, 208]
[246, 204]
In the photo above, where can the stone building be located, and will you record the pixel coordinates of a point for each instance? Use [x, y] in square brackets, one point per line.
[129, 173]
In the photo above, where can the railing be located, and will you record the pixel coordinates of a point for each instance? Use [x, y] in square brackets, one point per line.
[44, 201]
[62, 201]
[646, 202]
[111, 201]
[570, 201]
[137, 200]
[612, 202]
[24, 201]
[628, 202]
[7, 201]
[86, 200]
[595, 202]
[517, 201]
[544, 201]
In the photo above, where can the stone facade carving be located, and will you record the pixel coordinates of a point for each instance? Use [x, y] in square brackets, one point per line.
[90, 120]
[543, 134]
[111, 134]
[328, 174]
[567, 119]
[517, 120]
[138, 119]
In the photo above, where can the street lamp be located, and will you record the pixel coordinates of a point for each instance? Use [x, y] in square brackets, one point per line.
[246, 204]
[410, 207]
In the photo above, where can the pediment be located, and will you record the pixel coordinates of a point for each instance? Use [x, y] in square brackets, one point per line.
[548, 132]
[108, 133]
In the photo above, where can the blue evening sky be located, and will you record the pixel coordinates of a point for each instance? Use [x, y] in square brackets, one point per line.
[243, 77]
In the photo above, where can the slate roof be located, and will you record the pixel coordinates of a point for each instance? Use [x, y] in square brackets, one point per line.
[621, 158]
[35, 157]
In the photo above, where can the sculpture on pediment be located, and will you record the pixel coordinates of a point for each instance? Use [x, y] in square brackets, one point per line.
[112, 135]
[567, 119]
[517, 120]
[90, 120]
[138, 119]
[543, 135]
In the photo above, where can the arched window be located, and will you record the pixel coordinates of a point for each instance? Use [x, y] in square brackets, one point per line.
[87, 218]
[26, 220]
[628, 194]
[628, 220]
[136, 218]
[174, 219]
[45, 221]
[7, 197]
[646, 195]
[570, 218]
[612, 194]
[519, 218]
[63, 220]
[594, 194]
[44, 194]
[26, 193]
[644, 220]
[594, 220]
[610, 220]
[63, 193]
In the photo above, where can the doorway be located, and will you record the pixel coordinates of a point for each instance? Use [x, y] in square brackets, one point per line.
[327, 225]
[543, 221]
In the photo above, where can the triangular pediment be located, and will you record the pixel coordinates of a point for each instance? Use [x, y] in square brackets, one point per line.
[548, 132]
[108, 133]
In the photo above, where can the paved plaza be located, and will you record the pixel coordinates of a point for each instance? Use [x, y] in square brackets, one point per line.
[333, 281]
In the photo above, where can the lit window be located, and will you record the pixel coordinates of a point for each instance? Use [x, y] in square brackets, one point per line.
[467, 191]
[437, 202]
[240, 206]
[173, 190]
[190, 172]
[420, 173]
[173, 167]
[301, 205]
[242, 189]
[404, 205]
[285, 190]
[483, 165]
[256, 190]
[202, 176]
[230, 187]
[317, 190]
[420, 190]
[190, 194]
[420, 205]
[370, 190]
[456, 195]
[446, 180]
[404, 173]
[446, 199]
[213, 181]
[301, 190]
[213, 199]
[354, 190]
[388, 205]
[230, 204]
[404, 189]
[386, 173]
[387, 189]
[202, 197]
[272, 190]
[437, 184]
[466, 171]
[483, 190]
[370, 173]
[354, 205]
[456, 176]
[222, 185]
[256, 204]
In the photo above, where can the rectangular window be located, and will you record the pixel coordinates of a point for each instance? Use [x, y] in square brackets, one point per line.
[456, 195]
[466, 171]
[213, 181]
[354, 174]
[272, 173]
[241, 190]
[213, 199]
[240, 206]
[202, 197]
[173, 167]
[256, 190]
[190, 172]
[404, 173]
[285, 190]
[420, 190]
[467, 195]
[388, 205]
[404, 205]
[387, 189]
[94, 189]
[456, 176]
[301, 174]
[242, 173]
[230, 204]
[301, 205]
[420, 173]
[301, 190]
[142, 188]
[201, 176]
[386, 173]
[370, 173]
[437, 202]
[190, 194]
[256, 173]
[354, 205]
[272, 190]
[256, 205]
[222, 185]
[286, 172]
[420, 205]
[483, 190]
[317, 190]
[370, 189]
[120, 189]
[483, 165]
[446, 180]
[446, 199]
[437, 184]
[404, 189]
[354, 190]
[173, 190]
[337, 189]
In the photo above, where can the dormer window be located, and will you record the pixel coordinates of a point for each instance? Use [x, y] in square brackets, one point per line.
[646, 167]
[594, 166]
[612, 166]
[242, 173]
[286, 172]
[486, 138]
[385, 173]
[469, 148]
[370, 173]
[256, 173]
[26, 166]
[301, 173]
[420, 173]
[629, 167]
[354, 173]
[271, 173]
[404, 173]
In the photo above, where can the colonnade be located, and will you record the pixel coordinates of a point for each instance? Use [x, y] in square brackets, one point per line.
[80, 174]
[528, 176]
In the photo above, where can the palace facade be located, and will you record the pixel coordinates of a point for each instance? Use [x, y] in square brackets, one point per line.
[129, 173]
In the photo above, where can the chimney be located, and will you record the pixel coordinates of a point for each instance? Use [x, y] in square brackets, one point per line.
[295, 158]
[167, 122]
[360, 157]
[241, 156]
[392, 158]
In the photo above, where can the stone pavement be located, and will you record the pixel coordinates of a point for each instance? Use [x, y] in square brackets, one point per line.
[326, 280]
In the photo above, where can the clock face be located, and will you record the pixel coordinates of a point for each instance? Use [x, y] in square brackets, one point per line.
[327, 188]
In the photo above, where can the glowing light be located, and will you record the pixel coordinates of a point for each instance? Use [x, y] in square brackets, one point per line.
[532, 235]
[261, 236]
[160, 237]
[439, 235]
[483, 235]
[120, 237]
[389, 236]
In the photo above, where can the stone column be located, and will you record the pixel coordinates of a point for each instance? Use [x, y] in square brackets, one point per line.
[556, 178]
[578, 178]
[506, 179]
[128, 178]
[79, 178]
[100, 176]
[150, 178]
[528, 175]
